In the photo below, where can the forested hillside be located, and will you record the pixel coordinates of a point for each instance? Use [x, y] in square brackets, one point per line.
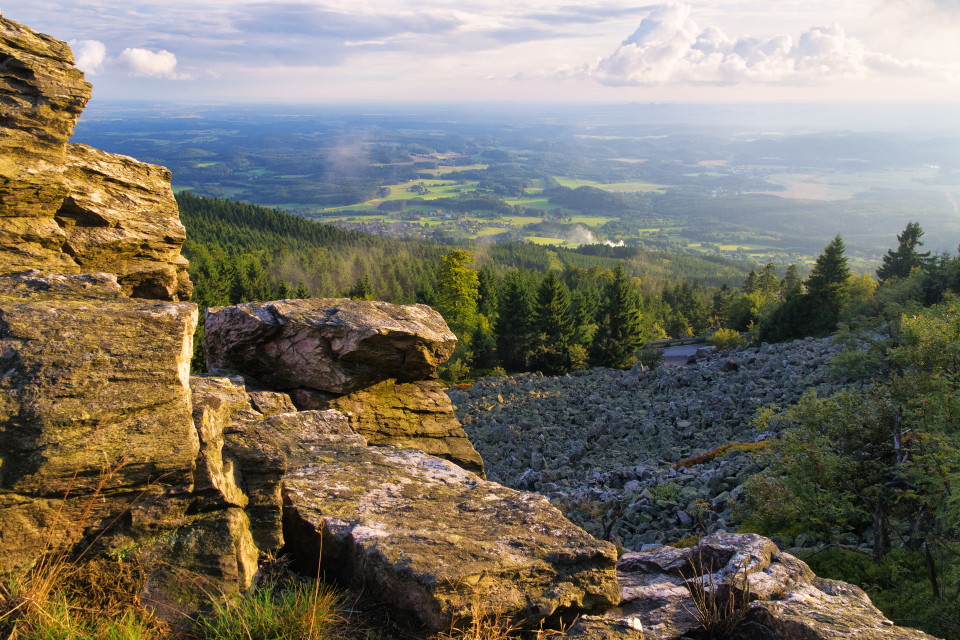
[240, 252]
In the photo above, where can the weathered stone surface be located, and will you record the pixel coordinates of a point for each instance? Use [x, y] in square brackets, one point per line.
[827, 610]
[120, 216]
[93, 393]
[785, 599]
[418, 415]
[41, 97]
[439, 541]
[334, 344]
[210, 555]
[239, 464]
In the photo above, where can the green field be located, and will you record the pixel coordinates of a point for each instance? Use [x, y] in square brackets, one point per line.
[546, 241]
[636, 186]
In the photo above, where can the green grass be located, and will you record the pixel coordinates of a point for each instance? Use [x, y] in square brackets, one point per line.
[298, 610]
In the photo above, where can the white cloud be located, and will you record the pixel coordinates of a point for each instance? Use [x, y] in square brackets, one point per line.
[669, 48]
[89, 55]
[149, 64]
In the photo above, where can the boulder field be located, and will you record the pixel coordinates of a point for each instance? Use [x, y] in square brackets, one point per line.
[643, 457]
[321, 430]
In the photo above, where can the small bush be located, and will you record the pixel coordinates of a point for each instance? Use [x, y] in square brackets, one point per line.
[727, 339]
[650, 358]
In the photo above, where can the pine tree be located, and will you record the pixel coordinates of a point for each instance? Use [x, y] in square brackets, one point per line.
[768, 283]
[486, 291]
[302, 292]
[620, 329]
[362, 290]
[815, 312]
[552, 326]
[792, 284]
[457, 288]
[830, 273]
[512, 327]
[750, 284]
[899, 263]
[282, 291]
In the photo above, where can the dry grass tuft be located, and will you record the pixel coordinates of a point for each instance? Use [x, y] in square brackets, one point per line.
[718, 608]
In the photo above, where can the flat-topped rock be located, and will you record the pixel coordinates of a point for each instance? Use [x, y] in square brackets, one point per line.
[335, 345]
[439, 541]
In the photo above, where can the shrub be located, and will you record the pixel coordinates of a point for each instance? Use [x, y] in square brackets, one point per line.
[727, 339]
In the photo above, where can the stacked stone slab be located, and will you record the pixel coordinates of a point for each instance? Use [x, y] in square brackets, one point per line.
[374, 361]
[68, 208]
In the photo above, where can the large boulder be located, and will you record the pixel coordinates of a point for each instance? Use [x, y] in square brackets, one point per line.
[411, 414]
[332, 345]
[41, 97]
[437, 540]
[94, 405]
[777, 594]
[120, 216]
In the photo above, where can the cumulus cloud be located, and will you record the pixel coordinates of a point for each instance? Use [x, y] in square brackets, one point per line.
[149, 64]
[89, 55]
[669, 47]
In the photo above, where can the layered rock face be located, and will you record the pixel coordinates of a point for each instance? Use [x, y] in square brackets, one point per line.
[91, 383]
[120, 216]
[41, 97]
[69, 208]
[439, 541]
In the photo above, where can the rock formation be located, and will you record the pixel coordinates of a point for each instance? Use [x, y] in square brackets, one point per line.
[371, 360]
[42, 97]
[120, 216]
[69, 208]
[611, 438]
[92, 383]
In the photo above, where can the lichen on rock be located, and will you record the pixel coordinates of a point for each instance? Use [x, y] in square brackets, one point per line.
[335, 345]
[440, 541]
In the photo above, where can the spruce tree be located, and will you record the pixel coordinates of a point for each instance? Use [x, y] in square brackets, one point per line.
[282, 291]
[552, 326]
[513, 325]
[487, 291]
[620, 329]
[457, 291]
[826, 282]
[791, 285]
[302, 292]
[899, 263]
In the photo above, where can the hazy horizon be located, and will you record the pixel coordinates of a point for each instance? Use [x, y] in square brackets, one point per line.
[337, 52]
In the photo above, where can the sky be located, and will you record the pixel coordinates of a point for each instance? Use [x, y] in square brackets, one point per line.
[348, 51]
